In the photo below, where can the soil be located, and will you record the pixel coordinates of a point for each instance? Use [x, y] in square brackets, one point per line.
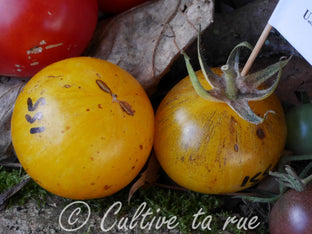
[30, 218]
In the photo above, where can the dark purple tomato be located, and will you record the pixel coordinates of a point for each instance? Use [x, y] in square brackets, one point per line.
[292, 213]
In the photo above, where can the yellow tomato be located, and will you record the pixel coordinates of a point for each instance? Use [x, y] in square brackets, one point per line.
[206, 147]
[83, 128]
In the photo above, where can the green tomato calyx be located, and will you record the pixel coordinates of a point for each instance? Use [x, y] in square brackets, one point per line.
[233, 88]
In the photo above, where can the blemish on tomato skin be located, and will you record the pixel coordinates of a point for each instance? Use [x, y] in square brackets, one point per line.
[260, 133]
[233, 123]
[192, 159]
[98, 75]
[100, 106]
[141, 147]
[88, 109]
[53, 76]
[126, 107]
[53, 46]
[34, 64]
[103, 86]
[66, 129]
[67, 86]
[235, 147]
[106, 187]
[92, 159]
[35, 50]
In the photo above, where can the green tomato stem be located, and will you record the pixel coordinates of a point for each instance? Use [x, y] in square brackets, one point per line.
[230, 86]
[289, 158]
[261, 199]
[288, 177]
[307, 180]
[305, 170]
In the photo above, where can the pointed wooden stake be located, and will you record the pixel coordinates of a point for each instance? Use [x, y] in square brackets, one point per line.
[256, 50]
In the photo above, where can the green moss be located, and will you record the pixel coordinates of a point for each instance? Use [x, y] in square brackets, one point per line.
[11, 177]
[162, 202]
[182, 204]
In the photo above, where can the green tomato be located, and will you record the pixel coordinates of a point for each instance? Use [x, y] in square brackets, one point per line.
[299, 127]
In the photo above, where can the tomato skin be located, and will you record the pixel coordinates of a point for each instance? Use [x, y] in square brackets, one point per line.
[206, 147]
[73, 138]
[299, 127]
[37, 33]
[118, 6]
[292, 213]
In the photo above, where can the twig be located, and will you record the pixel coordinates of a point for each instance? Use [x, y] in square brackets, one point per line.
[15, 165]
[6, 195]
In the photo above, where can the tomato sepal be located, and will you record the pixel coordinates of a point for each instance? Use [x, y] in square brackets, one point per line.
[232, 88]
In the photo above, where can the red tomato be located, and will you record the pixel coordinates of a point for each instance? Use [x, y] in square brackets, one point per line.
[118, 6]
[37, 33]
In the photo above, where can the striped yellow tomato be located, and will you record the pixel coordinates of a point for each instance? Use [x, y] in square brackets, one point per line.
[207, 147]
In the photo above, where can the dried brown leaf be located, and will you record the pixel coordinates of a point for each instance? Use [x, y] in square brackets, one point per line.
[149, 176]
[146, 40]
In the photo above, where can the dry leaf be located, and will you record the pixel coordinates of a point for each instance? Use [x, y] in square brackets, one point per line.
[149, 176]
[9, 90]
[146, 40]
